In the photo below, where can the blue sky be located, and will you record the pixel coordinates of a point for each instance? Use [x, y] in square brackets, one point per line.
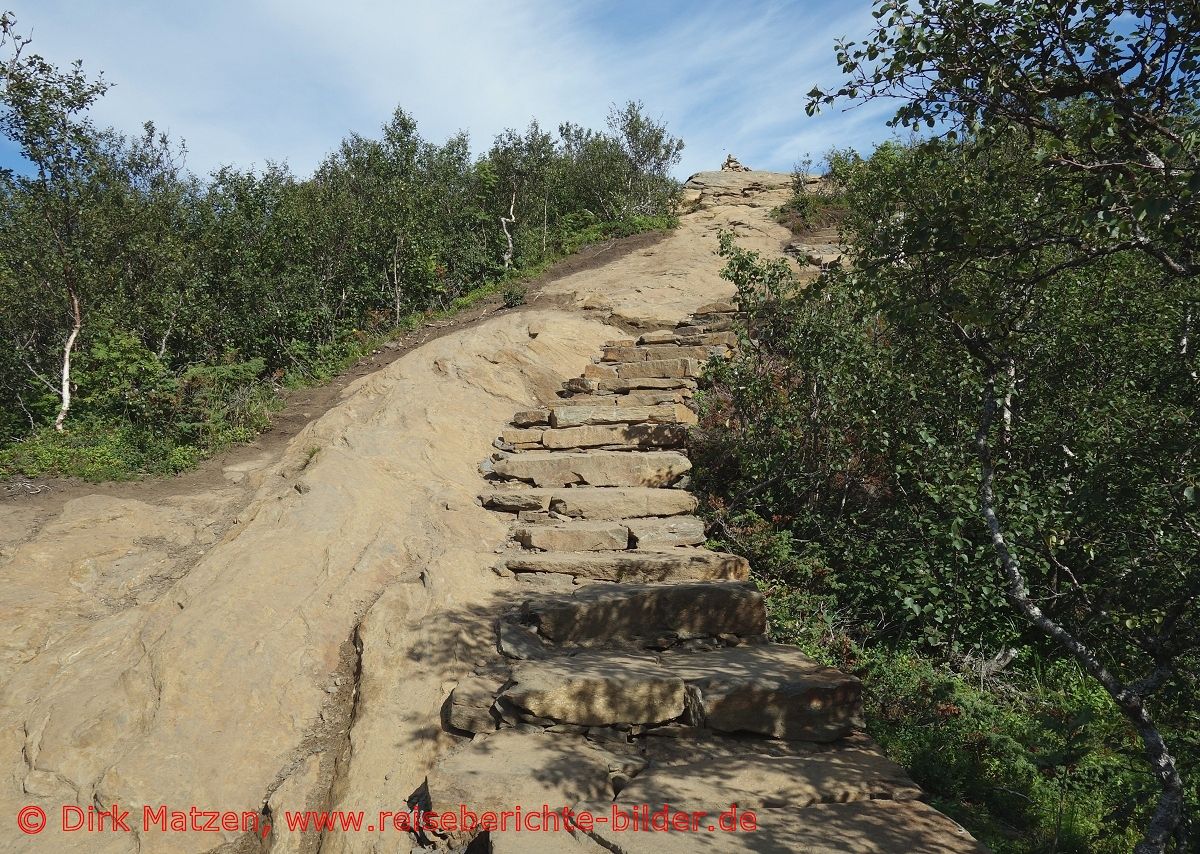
[284, 80]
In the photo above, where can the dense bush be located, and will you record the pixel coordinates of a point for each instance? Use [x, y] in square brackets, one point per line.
[976, 441]
[183, 302]
[839, 450]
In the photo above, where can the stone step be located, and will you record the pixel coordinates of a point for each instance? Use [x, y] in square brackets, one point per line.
[551, 534]
[719, 307]
[666, 533]
[655, 352]
[597, 689]
[658, 369]
[709, 339]
[578, 416]
[581, 536]
[597, 503]
[510, 769]
[859, 827]
[630, 612]
[636, 566]
[595, 468]
[696, 339]
[758, 782]
[630, 436]
[630, 398]
[769, 689]
[586, 385]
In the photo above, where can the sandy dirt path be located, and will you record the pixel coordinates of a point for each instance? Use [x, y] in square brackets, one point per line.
[285, 637]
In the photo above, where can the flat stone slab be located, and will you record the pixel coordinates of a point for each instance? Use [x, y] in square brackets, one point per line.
[632, 435]
[660, 368]
[577, 416]
[862, 827]
[543, 842]
[597, 689]
[728, 339]
[766, 782]
[595, 468]
[645, 397]
[469, 707]
[600, 613]
[509, 768]
[637, 565]
[659, 336]
[666, 533]
[769, 689]
[574, 536]
[656, 352]
[600, 503]
[629, 383]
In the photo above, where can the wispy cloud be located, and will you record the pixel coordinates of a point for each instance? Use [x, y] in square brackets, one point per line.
[278, 80]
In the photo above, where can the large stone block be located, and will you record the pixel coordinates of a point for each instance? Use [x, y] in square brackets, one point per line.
[860, 827]
[772, 690]
[470, 703]
[582, 536]
[576, 416]
[667, 533]
[758, 782]
[660, 368]
[509, 769]
[636, 566]
[597, 689]
[648, 353]
[629, 435]
[599, 503]
[595, 468]
[601, 612]
[625, 384]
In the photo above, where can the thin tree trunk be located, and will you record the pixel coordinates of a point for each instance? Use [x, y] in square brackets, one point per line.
[396, 301]
[545, 222]
[504, 223]
[1167, 821]
[68, 347]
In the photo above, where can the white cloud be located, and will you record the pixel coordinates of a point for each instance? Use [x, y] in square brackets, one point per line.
[286, 79]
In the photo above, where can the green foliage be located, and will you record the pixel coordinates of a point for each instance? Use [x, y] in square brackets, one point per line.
[815, 201]
[196, 300]
[514, 295]
[1024, 760]
[837, 451]
[1103, 92]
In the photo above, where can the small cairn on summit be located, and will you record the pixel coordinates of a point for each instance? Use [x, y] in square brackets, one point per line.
[732, 164]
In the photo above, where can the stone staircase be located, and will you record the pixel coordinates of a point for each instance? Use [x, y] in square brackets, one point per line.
[637, 672]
